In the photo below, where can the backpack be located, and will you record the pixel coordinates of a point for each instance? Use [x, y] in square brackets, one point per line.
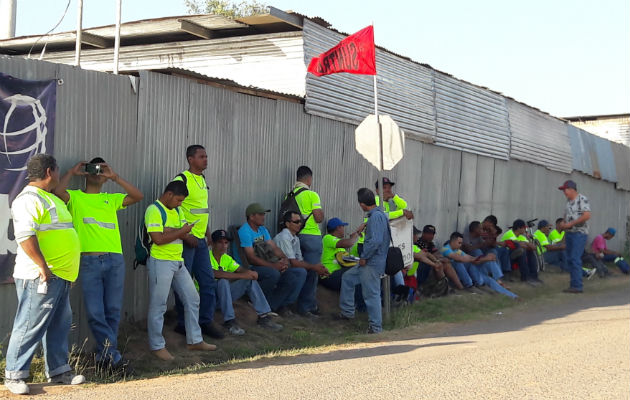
[143, 239]
[290, 204]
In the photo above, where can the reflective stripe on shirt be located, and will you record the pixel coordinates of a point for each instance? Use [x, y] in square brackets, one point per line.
[106, 225]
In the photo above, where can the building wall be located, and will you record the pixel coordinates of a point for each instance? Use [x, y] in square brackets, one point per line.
[615, 129]
[255, 145]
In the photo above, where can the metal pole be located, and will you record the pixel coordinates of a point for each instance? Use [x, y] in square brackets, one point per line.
[77, 51]
[8, 10]
[117, 40]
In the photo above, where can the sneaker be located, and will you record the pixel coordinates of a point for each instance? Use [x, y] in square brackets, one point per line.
[284, 312]
[16, 386]
[539, 281]
[67, 378]
[372, 330]
[163, 354]
[572, 290]
[343, 317]
[532, 282]
[212, 330]
[309, 315]
[590, 273]
[266, 322]
[201, 346]
[233, 328]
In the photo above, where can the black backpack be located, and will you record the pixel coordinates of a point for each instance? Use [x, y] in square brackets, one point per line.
[143, 239]
[290, 204]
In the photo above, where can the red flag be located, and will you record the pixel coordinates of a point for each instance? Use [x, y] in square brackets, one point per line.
[355, 54]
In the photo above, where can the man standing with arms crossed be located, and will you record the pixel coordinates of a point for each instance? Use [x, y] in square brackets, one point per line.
[102, 270]
[576, 214]
[196, 253]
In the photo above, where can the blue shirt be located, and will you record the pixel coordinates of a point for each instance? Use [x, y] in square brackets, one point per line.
[248, 236]
[447, 250]
[377, 239]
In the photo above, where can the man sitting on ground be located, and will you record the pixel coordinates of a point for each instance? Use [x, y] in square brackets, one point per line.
[557, 234]
[466, 266]
[288, 241]
[334, 243]
[552, 253]
[233, 282]
[475, 245]
[602, 252]
[522, 252]
[280, 284]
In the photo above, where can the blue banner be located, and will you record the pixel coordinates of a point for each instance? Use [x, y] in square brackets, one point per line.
[27, 125]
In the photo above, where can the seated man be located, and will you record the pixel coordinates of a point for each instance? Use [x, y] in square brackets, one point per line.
[601, 251]
[490, 233]
[427, 266]
[233, 282]
[475, 245]
[467, 266]
[280, 284]
[333, 243]
[522, 252]
[557, 234]
[288, 241]
[426, 243]
[552, 253]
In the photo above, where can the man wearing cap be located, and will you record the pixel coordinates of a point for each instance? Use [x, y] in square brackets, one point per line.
[522, 252]
[552, 253]
[426, 243]
[196, 209]
[577, 212]
[233, 282]
[280, 284]
[371, 265]
[335, 242]
[288, 241]
[102, 270]
[602, 252]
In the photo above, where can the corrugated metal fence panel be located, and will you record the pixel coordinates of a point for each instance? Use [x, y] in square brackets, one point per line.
[605, 157]
[580, 151]
[539, 138]
[405, 89]
[621, 154]
[470, 118]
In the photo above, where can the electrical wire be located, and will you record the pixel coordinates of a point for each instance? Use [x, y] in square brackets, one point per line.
[53, 28]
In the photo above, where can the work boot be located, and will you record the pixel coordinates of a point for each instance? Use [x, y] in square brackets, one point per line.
[163, 354]
[212, 330]
[202, 346]
[233, 328]
[266, 322]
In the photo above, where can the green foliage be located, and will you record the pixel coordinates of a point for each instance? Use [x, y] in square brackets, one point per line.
[226, 8]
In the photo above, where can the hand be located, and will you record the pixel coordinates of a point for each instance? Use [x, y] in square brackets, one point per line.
[361, 228]
[252, 275]
[44, 273]
[190, 240]
[280, 266]
[321, 270]
[362, 262]
[79, 169]
[490, 257]
[408, 214]
[107, 172]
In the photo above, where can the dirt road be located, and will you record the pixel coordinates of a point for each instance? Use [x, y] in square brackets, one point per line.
[573, 350]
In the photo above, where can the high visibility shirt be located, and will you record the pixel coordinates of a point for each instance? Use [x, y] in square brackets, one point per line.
[195, 205]
[509, 235]
[542, 239]
[174, 219]
[95, 220]
[308, 201]
[329, 250]
[226, 263]
[414, 266]
[555, 236]
[43, 215]
[393, 208]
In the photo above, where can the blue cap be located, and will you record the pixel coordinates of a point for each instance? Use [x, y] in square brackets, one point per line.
[612, 231]
[543, 223]
[334, 223]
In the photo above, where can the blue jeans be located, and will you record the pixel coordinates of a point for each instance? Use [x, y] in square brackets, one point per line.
[311, 246]
[503, 257]
[229, 291]
[103, 281]
[527, 265]
[558, 258]
[162, 275]
[489, 268]
[40, 317]
[369, 277]
[286, 285]
[197, 261]
[463, 273]
[575, 242]
[609, 258]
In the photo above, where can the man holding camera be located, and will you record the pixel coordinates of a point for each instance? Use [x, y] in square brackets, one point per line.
[102, 268]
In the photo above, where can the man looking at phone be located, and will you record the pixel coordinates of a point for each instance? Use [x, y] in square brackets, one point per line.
[196, 255]
[102, 269]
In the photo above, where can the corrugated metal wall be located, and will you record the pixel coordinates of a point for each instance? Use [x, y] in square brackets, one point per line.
[255, 145]
[580, 150]
[622, 163]
[405, 89]
[539, 138]
[470, 118]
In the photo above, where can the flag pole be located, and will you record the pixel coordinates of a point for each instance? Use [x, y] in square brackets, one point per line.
[386, 283]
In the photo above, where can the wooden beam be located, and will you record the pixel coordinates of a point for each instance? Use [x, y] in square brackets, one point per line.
[195, 29]
[95, 40]
[291, 19]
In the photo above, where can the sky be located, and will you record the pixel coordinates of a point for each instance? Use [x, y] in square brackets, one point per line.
[565, 57]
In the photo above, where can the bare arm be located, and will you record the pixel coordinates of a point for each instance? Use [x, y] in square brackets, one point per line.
[240, 273]
[134, 194]
[318, 215]
[61, 190]
[583, 218]
[170, 235]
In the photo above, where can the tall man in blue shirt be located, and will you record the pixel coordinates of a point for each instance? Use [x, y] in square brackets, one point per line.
[371, 265]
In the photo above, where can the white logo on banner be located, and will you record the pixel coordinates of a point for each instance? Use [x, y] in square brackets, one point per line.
[6, 245]
[38, 125]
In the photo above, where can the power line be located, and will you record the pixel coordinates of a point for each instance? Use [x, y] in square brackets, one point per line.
[52, 29]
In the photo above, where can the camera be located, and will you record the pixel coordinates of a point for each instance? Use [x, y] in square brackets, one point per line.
[93, 169]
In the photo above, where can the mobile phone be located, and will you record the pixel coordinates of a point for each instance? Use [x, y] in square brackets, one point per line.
[194, 222]
[93, 168]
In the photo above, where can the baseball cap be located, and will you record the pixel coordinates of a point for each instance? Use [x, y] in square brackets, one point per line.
[568, 185]
[428, 229]
[542, 223]
[219, 234]
[612, 231]
[385, 181]
[416, 231]
[334, 223]
[255, 208]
